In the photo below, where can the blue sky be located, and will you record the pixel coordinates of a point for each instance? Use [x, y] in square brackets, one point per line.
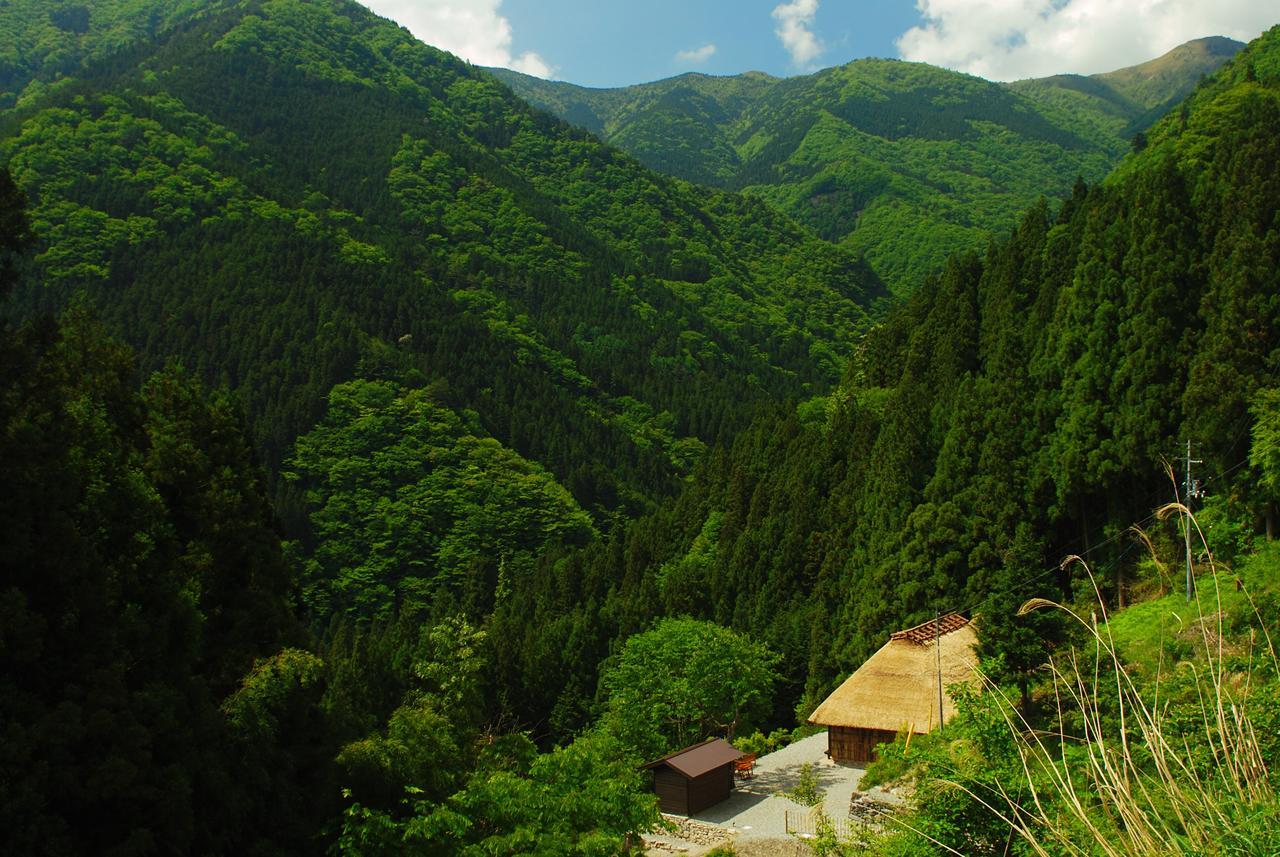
[614, 44]
[608, 43]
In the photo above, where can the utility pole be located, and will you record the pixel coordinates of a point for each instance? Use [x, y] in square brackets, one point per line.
[937, 637]
[1189, 489]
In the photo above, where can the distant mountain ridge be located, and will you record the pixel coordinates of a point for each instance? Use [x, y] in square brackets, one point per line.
[1131, 99]
[903, 162]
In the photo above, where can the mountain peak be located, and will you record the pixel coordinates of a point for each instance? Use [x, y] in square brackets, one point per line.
[1171, 76]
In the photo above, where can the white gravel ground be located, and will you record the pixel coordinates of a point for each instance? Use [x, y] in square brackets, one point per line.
[757, 809]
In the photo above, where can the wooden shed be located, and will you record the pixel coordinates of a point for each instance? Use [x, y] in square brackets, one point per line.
[896, 689]
[695, 778]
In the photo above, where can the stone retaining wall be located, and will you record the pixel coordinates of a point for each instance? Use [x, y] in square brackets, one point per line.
[687, 831]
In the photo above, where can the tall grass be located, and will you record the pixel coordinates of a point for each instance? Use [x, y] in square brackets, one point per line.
[1132, 779]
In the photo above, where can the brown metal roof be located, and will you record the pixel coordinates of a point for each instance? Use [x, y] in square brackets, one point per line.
[927, 632]
[699, 759]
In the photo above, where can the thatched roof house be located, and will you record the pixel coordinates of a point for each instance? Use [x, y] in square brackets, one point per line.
[695, 778]
[897, 688]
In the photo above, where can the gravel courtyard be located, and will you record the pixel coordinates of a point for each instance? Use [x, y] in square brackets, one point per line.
[757, 811]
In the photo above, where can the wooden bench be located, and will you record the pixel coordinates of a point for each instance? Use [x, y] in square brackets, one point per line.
[745, 766]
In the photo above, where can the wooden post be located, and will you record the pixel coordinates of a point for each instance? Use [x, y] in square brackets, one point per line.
[937, 632]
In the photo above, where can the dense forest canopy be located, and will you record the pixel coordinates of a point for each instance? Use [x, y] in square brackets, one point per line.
[390, 466]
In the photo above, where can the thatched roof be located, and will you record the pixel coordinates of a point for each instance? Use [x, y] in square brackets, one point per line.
[897, 688]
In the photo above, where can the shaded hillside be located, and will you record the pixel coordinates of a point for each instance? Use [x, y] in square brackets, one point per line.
[903, 162]
[1019, 407]
[153, 697]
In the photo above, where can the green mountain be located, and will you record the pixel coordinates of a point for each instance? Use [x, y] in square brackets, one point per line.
[479, 352]
[1018, 408]
[1168, 79]
[287, 196]
[903, 162]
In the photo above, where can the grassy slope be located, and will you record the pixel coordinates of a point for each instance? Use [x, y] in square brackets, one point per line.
[1153, 633]
[1169, 78]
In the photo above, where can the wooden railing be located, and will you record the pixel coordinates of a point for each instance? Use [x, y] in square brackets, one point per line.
[804, 823]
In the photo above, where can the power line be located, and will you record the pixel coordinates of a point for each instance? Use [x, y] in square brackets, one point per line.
[1241, 463]
[1153, 497]
[1190, 490]
[1114, 538]
[1058, 569]
[1097, 547]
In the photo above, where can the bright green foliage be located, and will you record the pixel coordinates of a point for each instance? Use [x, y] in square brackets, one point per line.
[427, 742]
[432, 782]
[42, 43]
[682, 682]
[959, 778]
[407, 500]
[258, 710]
[827, 841]
[545, 340]
[761, 744]
[1264, 452]
[903, 162]
[806, 791]
[1161, 742]
[583, 799]
[285, 779]
[419, 749]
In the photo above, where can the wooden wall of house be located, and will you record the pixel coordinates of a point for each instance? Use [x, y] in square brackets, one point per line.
[709, 789]
[846, 744]
[680, 795]
[672, 789]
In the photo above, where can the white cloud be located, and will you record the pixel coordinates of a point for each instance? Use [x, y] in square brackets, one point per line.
[472, 29]
[696, 56]
[1013, 39]
[794, 29]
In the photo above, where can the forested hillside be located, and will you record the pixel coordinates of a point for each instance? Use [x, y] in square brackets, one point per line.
[291, 195]
[1020, 407]
[904, 162]
[391, 468]
[44, 44]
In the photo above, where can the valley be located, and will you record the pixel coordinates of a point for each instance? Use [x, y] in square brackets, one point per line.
[404, 456]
